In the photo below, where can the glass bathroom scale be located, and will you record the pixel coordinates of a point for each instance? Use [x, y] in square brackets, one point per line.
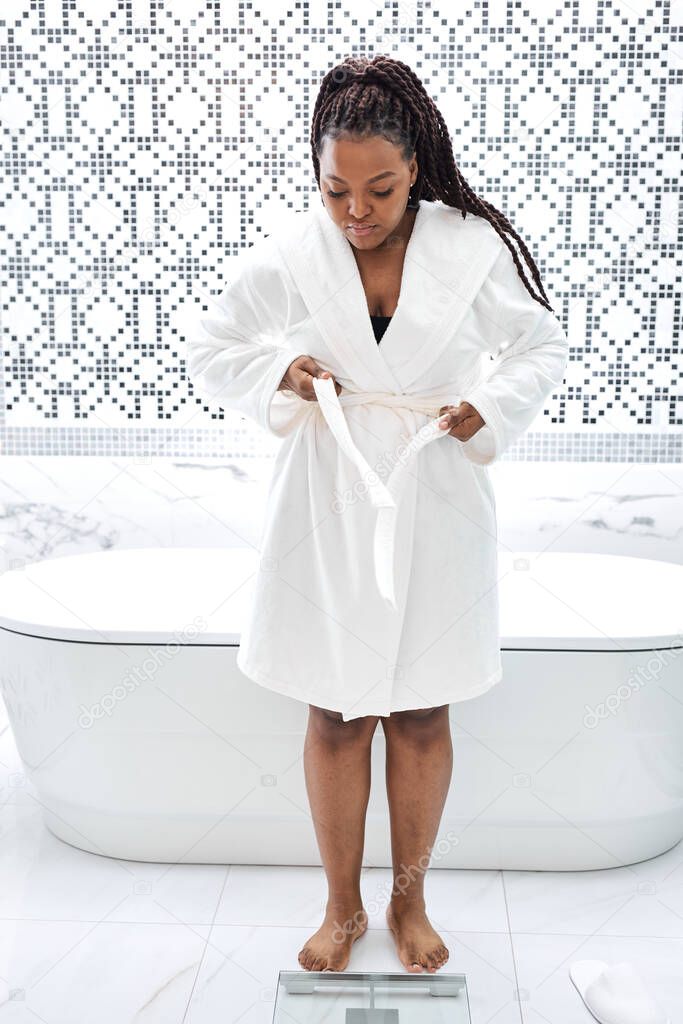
[311, 997]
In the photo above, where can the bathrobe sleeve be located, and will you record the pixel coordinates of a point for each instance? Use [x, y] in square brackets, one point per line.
[238, 356]
[530, 350]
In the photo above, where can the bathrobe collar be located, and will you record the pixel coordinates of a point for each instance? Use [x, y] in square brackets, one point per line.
[447, 260]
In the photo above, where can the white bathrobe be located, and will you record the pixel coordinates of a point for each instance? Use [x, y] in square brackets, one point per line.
[377, 582]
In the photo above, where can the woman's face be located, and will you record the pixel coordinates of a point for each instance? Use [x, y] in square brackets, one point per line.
[365, 182]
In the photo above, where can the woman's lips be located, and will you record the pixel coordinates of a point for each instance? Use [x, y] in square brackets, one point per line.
[362, 231]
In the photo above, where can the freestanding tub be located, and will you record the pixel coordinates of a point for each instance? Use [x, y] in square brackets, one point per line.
[143, 740]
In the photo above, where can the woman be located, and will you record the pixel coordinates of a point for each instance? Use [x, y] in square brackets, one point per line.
[362, 332]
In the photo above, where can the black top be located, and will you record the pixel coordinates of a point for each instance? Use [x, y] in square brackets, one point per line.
[379, 325]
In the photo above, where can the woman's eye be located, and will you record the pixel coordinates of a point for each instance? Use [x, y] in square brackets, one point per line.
[338, 195]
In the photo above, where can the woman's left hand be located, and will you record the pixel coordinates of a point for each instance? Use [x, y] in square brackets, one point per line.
[462, 421]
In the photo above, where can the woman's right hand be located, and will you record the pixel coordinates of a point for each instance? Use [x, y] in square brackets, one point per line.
[299, 378]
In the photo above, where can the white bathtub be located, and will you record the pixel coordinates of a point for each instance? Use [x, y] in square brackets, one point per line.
[143, 740]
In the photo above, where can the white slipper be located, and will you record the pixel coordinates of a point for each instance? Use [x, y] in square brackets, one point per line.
[615, 994]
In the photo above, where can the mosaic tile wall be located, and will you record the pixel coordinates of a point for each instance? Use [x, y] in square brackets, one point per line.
[145, 143]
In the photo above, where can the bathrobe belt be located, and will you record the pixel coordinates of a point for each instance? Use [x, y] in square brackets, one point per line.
[384, 495]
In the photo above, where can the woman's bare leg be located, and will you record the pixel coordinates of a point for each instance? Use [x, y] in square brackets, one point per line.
[419, 763]
[337, 771]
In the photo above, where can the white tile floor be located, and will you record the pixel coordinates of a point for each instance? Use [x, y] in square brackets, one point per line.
[87, 939]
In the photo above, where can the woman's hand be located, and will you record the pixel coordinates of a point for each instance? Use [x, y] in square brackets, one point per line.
[462, 421]
[299, 378]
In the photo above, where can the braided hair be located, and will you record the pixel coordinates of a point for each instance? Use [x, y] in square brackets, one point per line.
[383, 96]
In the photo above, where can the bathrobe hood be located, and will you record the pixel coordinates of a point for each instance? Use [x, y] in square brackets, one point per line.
[446, 261]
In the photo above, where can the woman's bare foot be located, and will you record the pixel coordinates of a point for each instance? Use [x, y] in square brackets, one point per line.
[330, 948]
[417, 944]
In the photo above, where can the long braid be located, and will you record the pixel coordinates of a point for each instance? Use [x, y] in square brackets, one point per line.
[383, 96]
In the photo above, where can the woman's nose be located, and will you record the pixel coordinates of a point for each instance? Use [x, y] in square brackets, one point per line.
[358, 209]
